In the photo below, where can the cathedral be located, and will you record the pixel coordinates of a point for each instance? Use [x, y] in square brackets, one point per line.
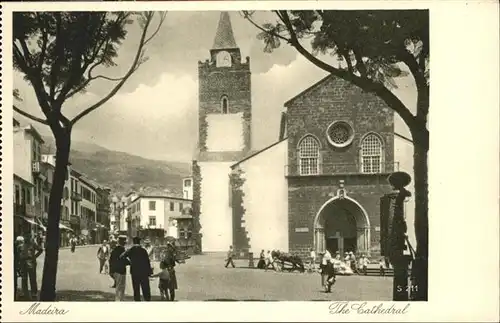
[317, 187]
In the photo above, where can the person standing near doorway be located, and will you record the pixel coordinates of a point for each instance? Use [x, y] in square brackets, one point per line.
[140, 269]
[230, 255]
[118, 268]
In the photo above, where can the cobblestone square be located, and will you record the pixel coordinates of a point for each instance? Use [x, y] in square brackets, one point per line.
[204, 278]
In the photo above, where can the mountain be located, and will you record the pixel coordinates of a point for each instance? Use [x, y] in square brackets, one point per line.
[124, 172]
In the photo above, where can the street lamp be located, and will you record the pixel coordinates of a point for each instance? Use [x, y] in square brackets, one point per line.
[398, 237]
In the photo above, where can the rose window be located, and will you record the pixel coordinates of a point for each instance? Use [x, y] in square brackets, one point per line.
[340, 134]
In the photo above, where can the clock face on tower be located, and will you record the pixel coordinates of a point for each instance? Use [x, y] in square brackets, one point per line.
[223, 59]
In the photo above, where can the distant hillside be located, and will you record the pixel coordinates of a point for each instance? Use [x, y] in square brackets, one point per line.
[123, 172]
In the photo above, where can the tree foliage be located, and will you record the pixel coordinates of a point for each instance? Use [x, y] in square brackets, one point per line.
[58, 53]
[372, 47]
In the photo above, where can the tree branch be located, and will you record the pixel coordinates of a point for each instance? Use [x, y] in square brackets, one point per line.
[162, 19]
[247, 16]
[132, 69]
[366, 84]
[360, 65]
[29, 116]
[59, 53]
[45, 38]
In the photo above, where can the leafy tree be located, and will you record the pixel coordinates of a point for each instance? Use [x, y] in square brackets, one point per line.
[372, 46]
[58, 53]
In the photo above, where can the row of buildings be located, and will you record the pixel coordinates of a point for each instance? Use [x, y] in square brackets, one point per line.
[155, 214]
[88, 210]
[85, 206]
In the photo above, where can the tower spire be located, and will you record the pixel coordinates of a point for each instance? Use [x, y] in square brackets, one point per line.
[224, 38]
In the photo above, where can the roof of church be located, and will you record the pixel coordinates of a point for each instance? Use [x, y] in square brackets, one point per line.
[224, 38]
[258, 152]
[323, 80]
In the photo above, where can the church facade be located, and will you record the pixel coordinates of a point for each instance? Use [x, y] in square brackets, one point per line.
[317, 187]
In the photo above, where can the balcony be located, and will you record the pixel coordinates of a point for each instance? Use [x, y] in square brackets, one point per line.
[47, 186]
[19, 209]
[74, 220]
[103, 207]
[332, 169]
[30, 210]
[38, 209]
[36, 167]
[76, 196]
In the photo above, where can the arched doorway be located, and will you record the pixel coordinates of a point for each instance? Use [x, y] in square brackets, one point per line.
[342, 225]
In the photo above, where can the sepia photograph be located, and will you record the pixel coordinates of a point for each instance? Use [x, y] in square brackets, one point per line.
[280, 153]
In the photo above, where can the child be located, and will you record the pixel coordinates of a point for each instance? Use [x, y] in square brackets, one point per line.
[382, 266]
[164, 282]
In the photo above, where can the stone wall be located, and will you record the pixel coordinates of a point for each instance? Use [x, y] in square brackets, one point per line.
[334, 99]
[306, 195]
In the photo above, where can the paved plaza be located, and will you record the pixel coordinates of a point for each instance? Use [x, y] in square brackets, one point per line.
[204, 278]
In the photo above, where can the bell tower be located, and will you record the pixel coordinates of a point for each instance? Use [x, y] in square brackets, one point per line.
[224, 98]
[224, 135]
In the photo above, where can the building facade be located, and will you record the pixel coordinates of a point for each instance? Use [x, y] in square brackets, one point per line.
[29, 179]
[33, 178]
[187, 188]
[158, 212]
[317, 187]
[224, 133]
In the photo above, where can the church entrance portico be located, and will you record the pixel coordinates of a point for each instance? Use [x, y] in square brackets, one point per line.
[342, 225]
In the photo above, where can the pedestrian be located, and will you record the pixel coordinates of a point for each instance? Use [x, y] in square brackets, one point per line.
[269, 259]
[118, 268]
[354, 266]
[112, 246]
[347, 260]
[164, 281]
[140, 269]
[72, 242]
[230, 255]
[325, 259]
[312, 260]
[329, 272]
[149, 248]
[103, 256]
[170, 261]
[381, 265]
[365, 263]
[29, 252]
[17, 262]
[262, 260]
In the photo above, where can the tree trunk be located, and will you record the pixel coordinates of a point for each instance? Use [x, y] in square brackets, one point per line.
[420, 268]
[48, 290]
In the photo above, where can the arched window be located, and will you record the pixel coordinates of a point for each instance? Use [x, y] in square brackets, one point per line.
[371, 154]
[224, 103]
[309, 156]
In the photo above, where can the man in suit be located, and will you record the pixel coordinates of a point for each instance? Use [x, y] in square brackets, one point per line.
[29, 252]
[118, 268]
[140, 269]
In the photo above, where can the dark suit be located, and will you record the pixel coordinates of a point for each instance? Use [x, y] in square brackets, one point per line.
[140, 270]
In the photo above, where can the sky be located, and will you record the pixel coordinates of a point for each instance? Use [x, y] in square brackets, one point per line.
[155, 115]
